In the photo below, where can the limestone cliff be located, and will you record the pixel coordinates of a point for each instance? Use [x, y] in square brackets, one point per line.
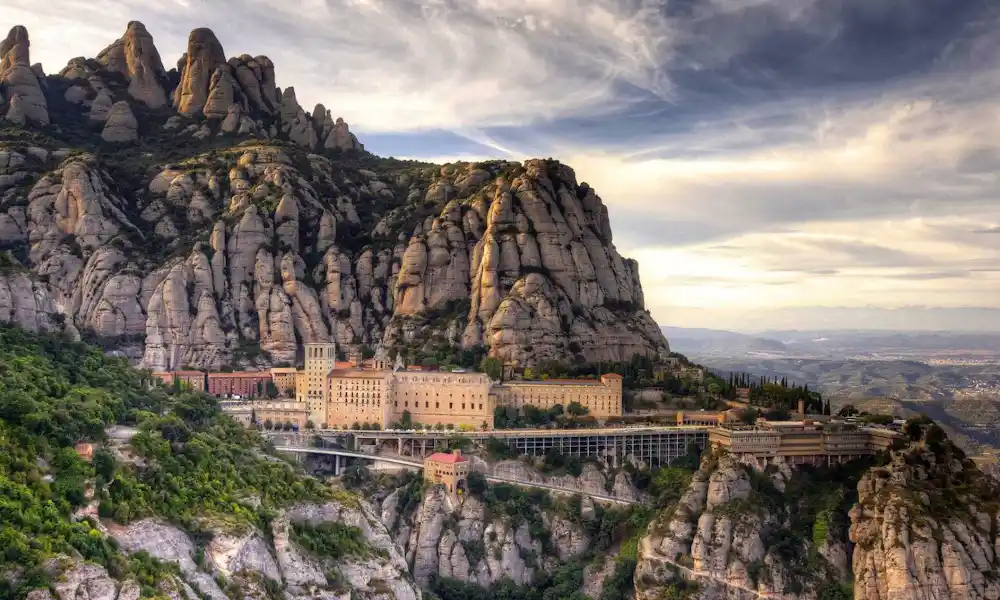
[737, 532]
[249, 225]
[507, 534]
[245, 564]
[925, 527]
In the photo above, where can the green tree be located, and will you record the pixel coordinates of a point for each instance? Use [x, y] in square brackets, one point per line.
[406, 421]
[104, 464]
[576, 409]
[492, 366]
[847, 410]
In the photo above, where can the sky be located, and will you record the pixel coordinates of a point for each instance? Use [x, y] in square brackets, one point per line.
[770, 163]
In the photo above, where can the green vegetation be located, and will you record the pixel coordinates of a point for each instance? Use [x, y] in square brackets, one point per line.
[199, 468]
[332, 540]
[775, 393]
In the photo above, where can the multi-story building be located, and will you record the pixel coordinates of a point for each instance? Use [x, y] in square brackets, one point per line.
[603, 398]
[448, 469]
[802, 442]
[284, 380]
[311, 386]
[358, 396]
[342, 394]
[278, 412]
[455, 399]
[190, 380]
[245, 384]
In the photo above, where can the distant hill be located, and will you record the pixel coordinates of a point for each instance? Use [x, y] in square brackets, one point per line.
[707, 342]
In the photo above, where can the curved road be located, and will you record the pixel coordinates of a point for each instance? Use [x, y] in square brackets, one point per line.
[420, 465]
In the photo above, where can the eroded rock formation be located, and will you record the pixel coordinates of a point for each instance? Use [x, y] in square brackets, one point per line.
[239, 255]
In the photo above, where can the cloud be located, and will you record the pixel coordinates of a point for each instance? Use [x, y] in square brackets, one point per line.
[752, 153]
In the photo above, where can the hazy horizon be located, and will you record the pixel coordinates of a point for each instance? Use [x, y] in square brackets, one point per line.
[769, 164]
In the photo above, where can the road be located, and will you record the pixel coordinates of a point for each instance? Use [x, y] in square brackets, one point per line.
[420, 465]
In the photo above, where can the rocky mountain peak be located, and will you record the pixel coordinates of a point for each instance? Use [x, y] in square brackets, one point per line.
[19, 81]
[134, 55]
[204, 55]
[286, 231]
[14, 48]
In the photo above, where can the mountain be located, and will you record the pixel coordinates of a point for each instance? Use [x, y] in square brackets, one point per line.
[700, 342]
[201, 217]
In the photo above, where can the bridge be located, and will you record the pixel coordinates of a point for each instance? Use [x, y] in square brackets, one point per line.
[420, 465]
[655, 445]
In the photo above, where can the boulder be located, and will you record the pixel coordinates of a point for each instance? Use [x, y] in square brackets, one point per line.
[121, 125]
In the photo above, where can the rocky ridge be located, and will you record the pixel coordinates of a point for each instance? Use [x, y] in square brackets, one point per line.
[925, 526]
[720, 537]
[240, 564]
[252, 226]
[471, 538]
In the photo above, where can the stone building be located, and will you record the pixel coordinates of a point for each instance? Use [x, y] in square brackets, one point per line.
[447, 398]
[603, 398]
[278, 412]
[284, 380]
[358, 396]
[311, 384]
[448, 469]
[189, 380]
[341, 394]
[245, 384]
[801, 442]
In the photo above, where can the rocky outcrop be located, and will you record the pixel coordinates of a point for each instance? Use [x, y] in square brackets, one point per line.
[135, 56]
[925, 527]
[458, 538]
[204, 55]
[246, 558]
[243, 253]
[719, 534]
[592, 479]
[26, 102]
[121, 125]
[26, 303]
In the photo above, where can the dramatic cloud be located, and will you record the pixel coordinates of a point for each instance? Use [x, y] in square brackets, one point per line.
[755, 155]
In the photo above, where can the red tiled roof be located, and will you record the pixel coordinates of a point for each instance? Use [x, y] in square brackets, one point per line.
[240, 374]
[445, 457]
[612, 376]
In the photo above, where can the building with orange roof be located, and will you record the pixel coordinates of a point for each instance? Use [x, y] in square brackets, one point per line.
[189, 380]
[245, 384]
[449, 469]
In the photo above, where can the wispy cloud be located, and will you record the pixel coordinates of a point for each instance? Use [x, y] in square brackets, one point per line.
[752, 153]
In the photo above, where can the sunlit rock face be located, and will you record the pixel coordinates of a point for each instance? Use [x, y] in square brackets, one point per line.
[247, 225]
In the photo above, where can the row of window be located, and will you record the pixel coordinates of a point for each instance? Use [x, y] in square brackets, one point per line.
[451, 405]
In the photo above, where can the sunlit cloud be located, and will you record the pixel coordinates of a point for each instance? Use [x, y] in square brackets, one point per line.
[754, 156]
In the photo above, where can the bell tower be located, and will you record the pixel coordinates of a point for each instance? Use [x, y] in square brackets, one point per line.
[319, 361]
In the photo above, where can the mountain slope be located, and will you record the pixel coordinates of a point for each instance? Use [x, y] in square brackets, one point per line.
[201, 217]
[175, 496]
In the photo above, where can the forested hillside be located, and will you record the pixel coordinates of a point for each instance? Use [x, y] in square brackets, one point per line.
[187, 466]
